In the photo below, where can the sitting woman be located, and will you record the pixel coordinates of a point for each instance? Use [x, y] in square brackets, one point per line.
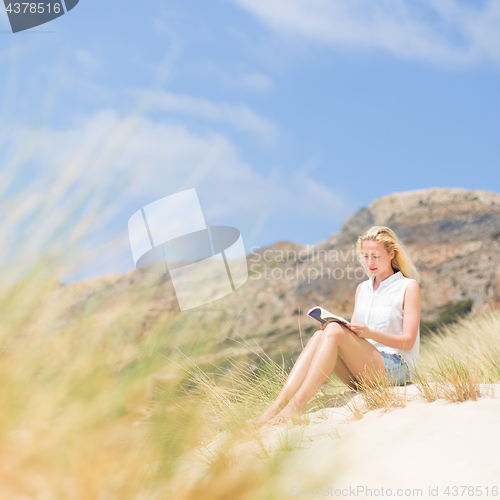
[382, 339]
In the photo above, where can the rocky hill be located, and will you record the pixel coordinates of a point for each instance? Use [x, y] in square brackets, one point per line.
[453, 235]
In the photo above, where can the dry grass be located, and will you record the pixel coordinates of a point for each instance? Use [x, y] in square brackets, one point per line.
[79, 422]
[356, 409]
[428, 389]
[460, 357]
[472, 342]
[95, 407]
[96, 403]
[376, 393]
[458, 380]
[71, 417]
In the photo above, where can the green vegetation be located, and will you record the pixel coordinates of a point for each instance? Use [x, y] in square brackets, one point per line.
[310, 329]
[448, 314]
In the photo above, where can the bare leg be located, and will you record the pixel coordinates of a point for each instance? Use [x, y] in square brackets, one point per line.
[342, 372]
[359, 356]
[298, 374]
[294, 380]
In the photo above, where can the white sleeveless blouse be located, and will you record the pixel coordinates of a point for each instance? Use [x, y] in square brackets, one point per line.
[382, 310]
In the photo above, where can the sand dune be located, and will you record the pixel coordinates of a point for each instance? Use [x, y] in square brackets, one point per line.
[416, 450]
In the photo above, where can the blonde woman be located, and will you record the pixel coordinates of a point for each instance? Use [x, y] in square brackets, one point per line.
[382, 339]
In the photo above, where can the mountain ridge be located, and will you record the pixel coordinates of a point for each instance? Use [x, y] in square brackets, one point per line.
[452, 234]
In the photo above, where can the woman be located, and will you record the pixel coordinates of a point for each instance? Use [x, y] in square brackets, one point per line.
[382, 339]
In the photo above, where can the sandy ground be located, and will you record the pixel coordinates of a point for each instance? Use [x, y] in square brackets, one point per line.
[415, 451]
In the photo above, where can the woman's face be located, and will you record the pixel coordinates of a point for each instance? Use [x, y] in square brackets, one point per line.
[377, 258]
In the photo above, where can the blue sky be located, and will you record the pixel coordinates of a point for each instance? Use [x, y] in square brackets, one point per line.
[287, 116]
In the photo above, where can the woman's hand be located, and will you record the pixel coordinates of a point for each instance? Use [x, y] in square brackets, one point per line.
[360, 329]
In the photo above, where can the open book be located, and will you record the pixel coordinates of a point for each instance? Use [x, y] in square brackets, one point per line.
[323, 316]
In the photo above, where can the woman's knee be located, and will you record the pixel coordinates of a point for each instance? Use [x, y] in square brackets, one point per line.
[334, 331]
[316, 338]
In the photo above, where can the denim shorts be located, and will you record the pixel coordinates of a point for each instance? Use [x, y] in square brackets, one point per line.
[396, 368]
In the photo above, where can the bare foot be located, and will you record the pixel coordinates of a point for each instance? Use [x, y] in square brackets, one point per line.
[286, 414]
[266, 416]
[258, 420]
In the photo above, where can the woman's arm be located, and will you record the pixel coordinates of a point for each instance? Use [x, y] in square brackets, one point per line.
[353, 319]
[411, 322]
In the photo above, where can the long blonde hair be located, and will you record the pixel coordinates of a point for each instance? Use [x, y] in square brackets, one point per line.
[400, 262]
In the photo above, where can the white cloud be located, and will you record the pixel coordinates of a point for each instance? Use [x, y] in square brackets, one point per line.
[12, 52]
[88, 60]
[253, 81]
[441, 31]
[110, 166]
[240, 117]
